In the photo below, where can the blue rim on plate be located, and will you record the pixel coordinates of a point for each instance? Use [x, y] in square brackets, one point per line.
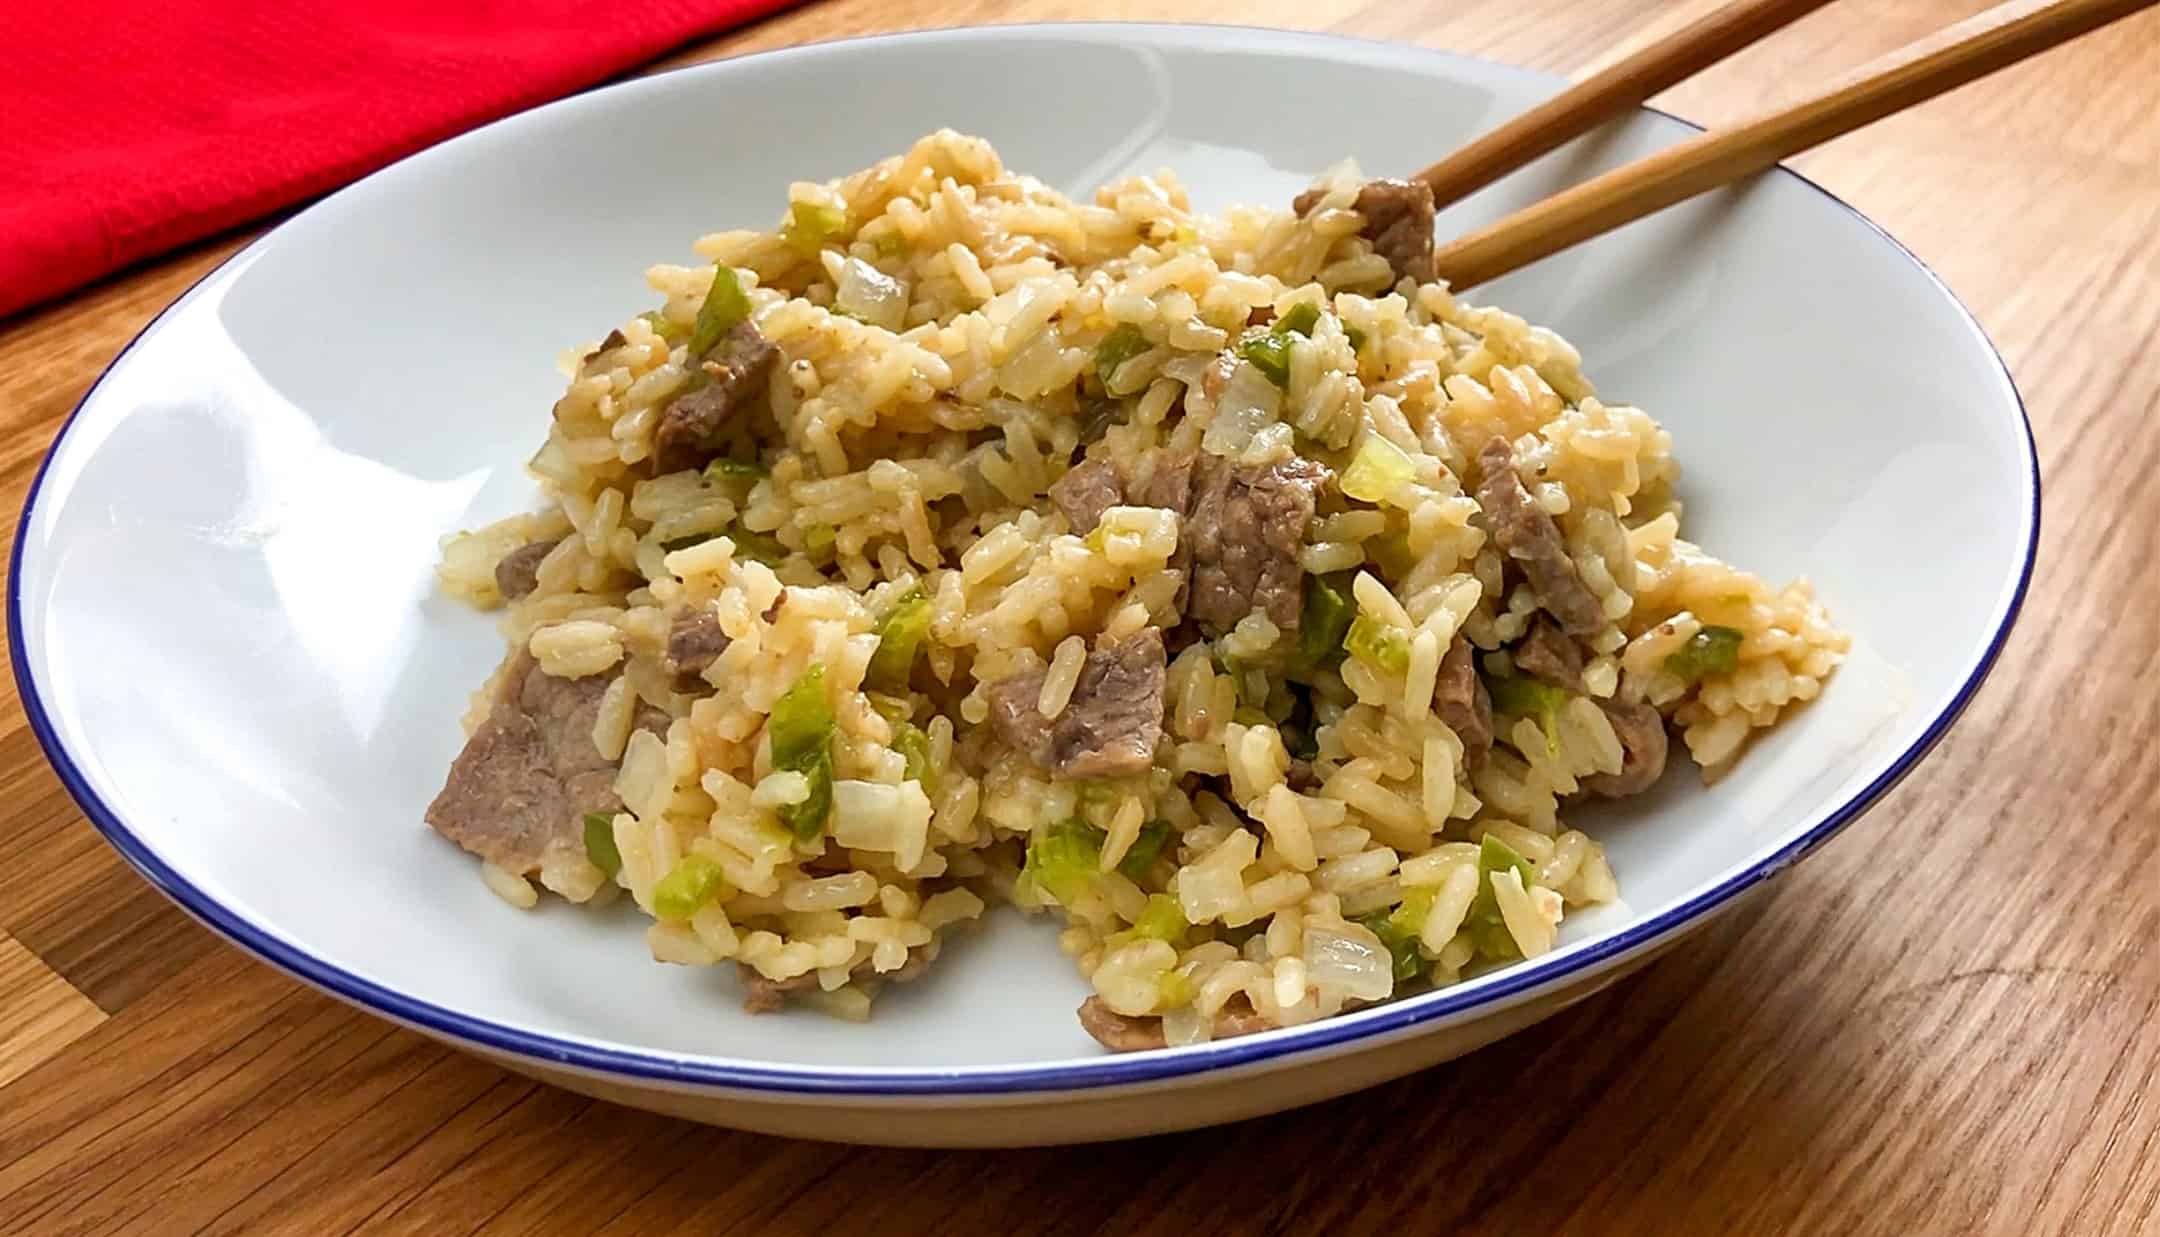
[1077, 1074]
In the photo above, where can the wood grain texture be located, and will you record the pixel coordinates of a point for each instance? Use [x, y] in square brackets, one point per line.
[1922, 70]
[1611, 91]
[1947, 1021]
[41, 1014]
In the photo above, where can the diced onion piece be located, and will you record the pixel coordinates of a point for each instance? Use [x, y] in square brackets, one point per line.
[1377, 470]
[1349, 959]
[882, 817]
[1185, 1024]
[868, 294]
[1249, 404]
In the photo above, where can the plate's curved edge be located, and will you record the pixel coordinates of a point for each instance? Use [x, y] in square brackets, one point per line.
[1508, 987]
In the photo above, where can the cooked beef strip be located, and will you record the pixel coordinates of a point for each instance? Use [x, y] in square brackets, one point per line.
[1528, 535]
[530, 772]
[1546, 653]
[1643, 747]
[1111, 724]
[738, 369]
[518, 572]
[1398, 221]
[1462, 702]
[1167, 483]
[1164, 480]
[1119, 1033]
[765, 996]
[1302, 776]
[695, 641]
[614, 339]
[1086, 491]
[1245, 529]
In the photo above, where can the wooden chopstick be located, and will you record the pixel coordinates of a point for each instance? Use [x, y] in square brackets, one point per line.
[1609, 93]
[1994, 39]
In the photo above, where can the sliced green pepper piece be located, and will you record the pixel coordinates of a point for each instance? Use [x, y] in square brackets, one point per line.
[1521, 696]
[1268, 352]
[913, 744]
[1326, 620]
[810, 224]
[1488, 929]
[1713, 650]
[726, 307]
[801, 732]
[600, 843]
[694, 881]
[900, 636]
[1300, 318]
[1402, 946]
[1154, 837]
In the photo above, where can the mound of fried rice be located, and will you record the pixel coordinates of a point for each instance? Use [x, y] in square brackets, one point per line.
[1305, 831]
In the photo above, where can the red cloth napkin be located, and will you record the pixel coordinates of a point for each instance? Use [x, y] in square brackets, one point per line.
[129, 129]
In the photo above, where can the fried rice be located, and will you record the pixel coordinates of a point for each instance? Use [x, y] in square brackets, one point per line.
[1219, 584]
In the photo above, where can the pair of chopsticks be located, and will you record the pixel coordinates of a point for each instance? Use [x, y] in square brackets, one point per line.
[1994, 39]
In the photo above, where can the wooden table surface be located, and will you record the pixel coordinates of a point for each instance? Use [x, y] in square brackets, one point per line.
[1947, 1021]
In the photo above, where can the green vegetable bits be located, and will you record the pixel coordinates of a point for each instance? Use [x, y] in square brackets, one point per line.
[1398, 930]
[1118, 347]
[600, 843]
[1535, 699]
[664, 326]
[1269, 352]
[913, 744]
[1377, 470]
[1713, 650]
[725, 470]
[810, 224]
[1299, 319]
[801, 732]
[1146, 849]
[1377, 644]
[900, 636]
[1484, 923]
[1063, 858]
[758, 547]
[1326, 620]
[694, 881]
[726, 307]
[1162, 920]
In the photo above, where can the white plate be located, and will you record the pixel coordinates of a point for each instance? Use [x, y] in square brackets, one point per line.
[225, 635]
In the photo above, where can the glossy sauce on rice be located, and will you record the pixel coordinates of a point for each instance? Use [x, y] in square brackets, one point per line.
[1110, 560]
